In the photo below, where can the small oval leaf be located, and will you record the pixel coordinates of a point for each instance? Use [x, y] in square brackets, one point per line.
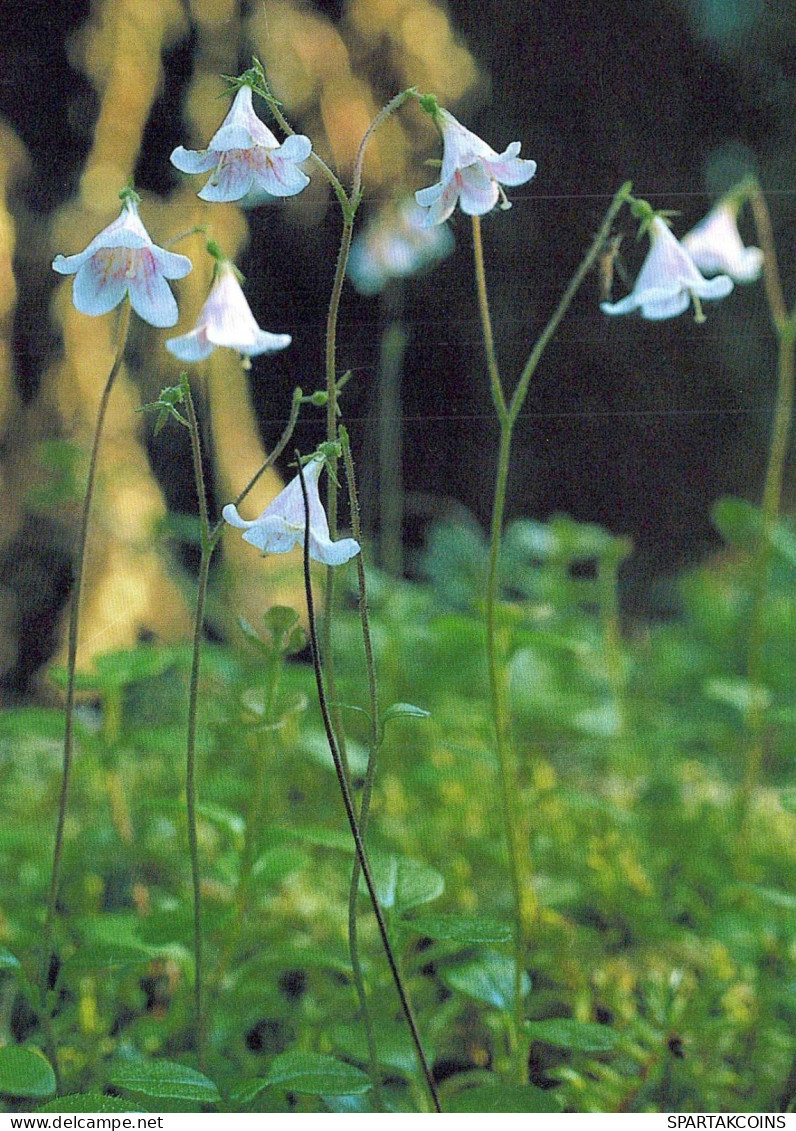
[8, 961]
[91, 1103]
[25, 1072]
[404, 710]
[580, 1036]
[460, 928]
[313, 1074]
[164, 1079]
[503, 1098]
[490, 979]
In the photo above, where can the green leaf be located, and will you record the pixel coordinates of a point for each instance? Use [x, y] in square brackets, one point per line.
[503, 1098]
[580, 1036]
[404, 710]
[25, 1072]
[489, 979]
[164, 1079]
[402, 883]
[99, 956]
[279, 862]
[321, 837]
[460, 928]
[738, 522]
[8, 961]
[313, 1074]
[316, 747]
[738, 693]
[90, 1103]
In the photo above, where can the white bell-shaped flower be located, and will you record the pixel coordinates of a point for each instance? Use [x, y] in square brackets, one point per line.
[669, 280]
[282, 524]
[471, 174]
[244, 155]
[226, 320]
[715, 245]
[123, 260]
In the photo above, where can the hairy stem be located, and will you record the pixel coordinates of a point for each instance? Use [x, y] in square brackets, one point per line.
[71, 670]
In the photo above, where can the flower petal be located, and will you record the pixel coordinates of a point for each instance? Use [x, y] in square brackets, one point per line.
[443, 202]
[152, 300]
[477, 193]
[96, 289]
[718, 287]
[193, 160]
[190, 347]
[277, 176]
[170, 264]
[296, 147]
[267, 343]
[233, 180]
[665, 305]
[332, 553]
[510, 169]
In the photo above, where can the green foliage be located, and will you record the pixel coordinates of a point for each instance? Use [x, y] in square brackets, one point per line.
[661, 972]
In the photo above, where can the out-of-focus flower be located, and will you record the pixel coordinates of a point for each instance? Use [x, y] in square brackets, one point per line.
[668, 281]
[472, 172]
[715, 245]
[123, 260]
[244, 155]
[226, 320]
[394, 245]
[281, 525]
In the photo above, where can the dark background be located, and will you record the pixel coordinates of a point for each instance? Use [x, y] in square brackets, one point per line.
[636, 425]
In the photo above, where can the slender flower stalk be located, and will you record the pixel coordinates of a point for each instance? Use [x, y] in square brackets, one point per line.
[353, 822]
[785, 327]
[374, 741]
[209, 539]
[508, 410]
[207, 546]
[71, 669]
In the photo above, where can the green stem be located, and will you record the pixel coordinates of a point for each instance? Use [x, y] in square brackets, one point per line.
[350, 811]
[208, 545]
[525, 904]
[71, 670]
[785, 327]
[370, 772]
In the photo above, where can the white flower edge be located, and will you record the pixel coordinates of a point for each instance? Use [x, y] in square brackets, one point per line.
[282, 524]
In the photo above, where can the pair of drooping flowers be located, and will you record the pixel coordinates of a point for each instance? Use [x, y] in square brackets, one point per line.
[245, 159]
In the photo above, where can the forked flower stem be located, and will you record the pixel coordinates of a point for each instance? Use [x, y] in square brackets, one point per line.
[71, 671]
[785, 327]
[508, 409]
[349, 807]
